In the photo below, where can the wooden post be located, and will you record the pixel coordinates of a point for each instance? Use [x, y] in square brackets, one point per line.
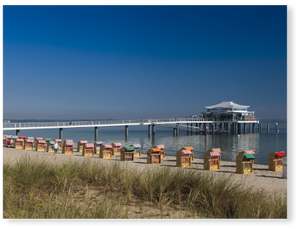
[244, 128]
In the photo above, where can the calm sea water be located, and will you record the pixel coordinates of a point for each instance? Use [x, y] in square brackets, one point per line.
[231, 145]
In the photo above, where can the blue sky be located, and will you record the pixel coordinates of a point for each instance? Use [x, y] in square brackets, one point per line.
[134, 62]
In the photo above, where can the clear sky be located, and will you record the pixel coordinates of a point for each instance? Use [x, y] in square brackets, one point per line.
[135, 62]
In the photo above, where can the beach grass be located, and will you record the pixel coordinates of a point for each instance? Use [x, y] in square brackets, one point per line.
[34, 189]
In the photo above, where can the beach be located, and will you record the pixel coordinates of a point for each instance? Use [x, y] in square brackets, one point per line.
[262, 177]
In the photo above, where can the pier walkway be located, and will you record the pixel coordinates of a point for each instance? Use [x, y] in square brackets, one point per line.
[202, 126]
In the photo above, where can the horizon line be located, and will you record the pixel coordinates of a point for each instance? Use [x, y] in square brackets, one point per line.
[140, 4]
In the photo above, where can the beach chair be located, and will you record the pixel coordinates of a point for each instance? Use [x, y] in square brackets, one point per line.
[245, 162]
[50, 145]
[36, 140]
[88, 150]
[97, 146]
[106, 151]
[4, 137]
[275, 160]
[13, 141]
[127, 153]
[19, 143]
[162, 152]
[190, 148]
[8, 141]
[212, 159]
[116, 148]
[154, 156]
[23, 137]
[68, 147]
[29, 142]
[137, 150]
[183, 158]
[80, 145]
[41, 146]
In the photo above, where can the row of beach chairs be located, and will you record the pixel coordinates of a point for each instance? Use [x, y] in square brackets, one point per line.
[155, 155]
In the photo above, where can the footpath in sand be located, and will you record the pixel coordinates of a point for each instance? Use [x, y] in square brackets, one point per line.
[262, 177]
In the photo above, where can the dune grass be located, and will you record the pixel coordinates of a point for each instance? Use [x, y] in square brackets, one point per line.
[89, 190]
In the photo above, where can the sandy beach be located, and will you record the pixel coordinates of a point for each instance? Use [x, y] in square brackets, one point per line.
[262, 177]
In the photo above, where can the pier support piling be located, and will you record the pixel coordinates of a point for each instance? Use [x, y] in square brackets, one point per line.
[60, 135]
[244, 128]
[177, 129]
[126, 131]
[96, 133]
[17, 132]
[276, 127]
[153, 129]
[239, 128]
[250, 128]
[253, 129]
[174, 131]
[149, 131]
[268, 128]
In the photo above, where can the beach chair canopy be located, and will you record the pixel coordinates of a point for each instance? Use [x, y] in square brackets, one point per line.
[160, 146]
[127, 149]
[68, 141]
[137, 146]
[186, 153]
[280, 154]
[155, 150]
[52, 142]
[58, 140]
[22, 137]
[29, 140]
[118, 144]
[99, 143]
[48, 139]
[83, 142]
[248, 156]
[216, 154]
[249, 152]
[89, 145]
[20, 140]
[41, 141]
[108, 147]
[189, 148]
[15, 137]
[69, 144]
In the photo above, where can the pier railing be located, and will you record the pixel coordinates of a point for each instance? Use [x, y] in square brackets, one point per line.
[100, 122]
[20, 125]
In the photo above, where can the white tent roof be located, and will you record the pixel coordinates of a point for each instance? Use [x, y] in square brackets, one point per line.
[228, 104]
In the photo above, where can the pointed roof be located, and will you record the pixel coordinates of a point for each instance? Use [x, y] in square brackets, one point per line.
[227, 104]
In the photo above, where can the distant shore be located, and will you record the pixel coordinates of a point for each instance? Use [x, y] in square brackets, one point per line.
[262, 177]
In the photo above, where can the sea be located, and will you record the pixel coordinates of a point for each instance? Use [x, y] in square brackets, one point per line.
[231, 144]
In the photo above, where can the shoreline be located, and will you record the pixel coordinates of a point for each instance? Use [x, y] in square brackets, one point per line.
[262, 177]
